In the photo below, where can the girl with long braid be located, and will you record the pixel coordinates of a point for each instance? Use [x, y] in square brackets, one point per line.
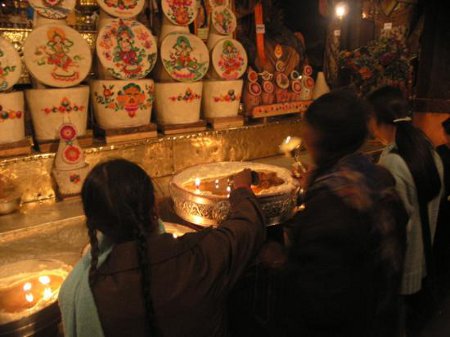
[137, 281]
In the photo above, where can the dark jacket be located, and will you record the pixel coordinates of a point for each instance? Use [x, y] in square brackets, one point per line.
[346, 257]
[190, 277]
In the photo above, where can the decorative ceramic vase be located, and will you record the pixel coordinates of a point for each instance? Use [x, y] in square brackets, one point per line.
[180, 12]
[10, 65]
[53, 9]
[120, 104]
[229, 60]
[321, 87]
[52, 107]
[221, 98]
[12, 127]
[178, 103]
[70, 169]
[122, 8]
[57, 55]
[126, 49]
[184, 58]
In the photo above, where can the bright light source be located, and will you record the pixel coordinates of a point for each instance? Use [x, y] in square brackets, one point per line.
[27, 286]
[29, 297]
[341, 9]
[44, 279]
[47, 294]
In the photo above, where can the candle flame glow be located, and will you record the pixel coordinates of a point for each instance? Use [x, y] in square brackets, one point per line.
[341, 10]
[27, 286]
[29, 297]
[44, 279]
[197, 182]
[287, 140]
[47, 294]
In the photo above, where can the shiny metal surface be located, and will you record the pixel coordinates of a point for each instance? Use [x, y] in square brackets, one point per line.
[160, 157]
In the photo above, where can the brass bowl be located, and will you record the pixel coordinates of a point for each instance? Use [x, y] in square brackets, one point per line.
[210, 210]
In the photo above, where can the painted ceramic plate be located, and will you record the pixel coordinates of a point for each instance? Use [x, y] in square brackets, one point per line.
[252, 76]
[122, 8]
[127, 49]
[215, 3]
[180, 12]
[307, 70]
[53, 9]
[185, 57]
[223, 20]
[254, 89]
[229, 59]
[282, 80]
[296, 86]
[10, 65]
[57, 55]
[308, 82]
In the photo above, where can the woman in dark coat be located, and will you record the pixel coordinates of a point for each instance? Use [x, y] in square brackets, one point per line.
[138, 282]
[347, 244]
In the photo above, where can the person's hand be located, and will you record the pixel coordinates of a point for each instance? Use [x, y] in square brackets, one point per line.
[242, 179]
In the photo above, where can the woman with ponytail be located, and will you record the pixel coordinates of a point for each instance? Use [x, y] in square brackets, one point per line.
[418, 172]
[137, 281]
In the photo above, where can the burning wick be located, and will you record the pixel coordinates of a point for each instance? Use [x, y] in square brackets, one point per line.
[27, 286]
[228, 191]
[197, 185]
[217, 183]
[47, 294]
[44, 279]
[29, 297]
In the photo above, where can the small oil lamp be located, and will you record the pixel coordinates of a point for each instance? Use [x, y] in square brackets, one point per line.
[291, 147]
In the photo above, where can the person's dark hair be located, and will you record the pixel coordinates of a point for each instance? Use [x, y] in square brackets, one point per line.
[341, 119]
[118, 200]
[390, 107]
[446, 126]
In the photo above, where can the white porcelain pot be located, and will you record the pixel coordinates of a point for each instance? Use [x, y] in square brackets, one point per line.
[12, 127]
[120, 104]
[178, 103]
[70, 181]
[221, 98]
[51, 107]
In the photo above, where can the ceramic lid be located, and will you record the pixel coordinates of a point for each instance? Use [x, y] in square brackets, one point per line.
[223, 20]
[10, 65]
[127, 49]
[229, 59]
[215, 3]
[185, 57]
[180, 12]
[57, 55]
[122, 8]
[53, 9]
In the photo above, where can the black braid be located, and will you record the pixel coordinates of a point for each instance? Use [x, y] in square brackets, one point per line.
[140, 233]
[94, 255]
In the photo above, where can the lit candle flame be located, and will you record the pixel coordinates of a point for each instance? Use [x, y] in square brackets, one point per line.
[44, 279]
[287, 140]
[29, 297]
[175, 235]
[47, 294]
[197, 185]
[27, 286]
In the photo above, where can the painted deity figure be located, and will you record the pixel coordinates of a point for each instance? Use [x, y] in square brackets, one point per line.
[180, 10]
[57, 50]
[126, 52]
[230, 61]
[182, 56]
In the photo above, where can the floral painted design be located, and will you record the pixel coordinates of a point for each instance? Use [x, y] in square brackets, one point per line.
[75, 178]
[127, 49]
[72, 154]
[224, 20]
[231, 61]
[9, 114]
[182, 64]
[121, 4]
[188, 96]
[229, 97]
[65, 106]
[67, 132]
[9, 65]
[57, 52]
[130, 98]
[180, 12]
[4, 72]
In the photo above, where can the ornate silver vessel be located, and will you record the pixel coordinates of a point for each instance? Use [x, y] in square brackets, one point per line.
[277, 203]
